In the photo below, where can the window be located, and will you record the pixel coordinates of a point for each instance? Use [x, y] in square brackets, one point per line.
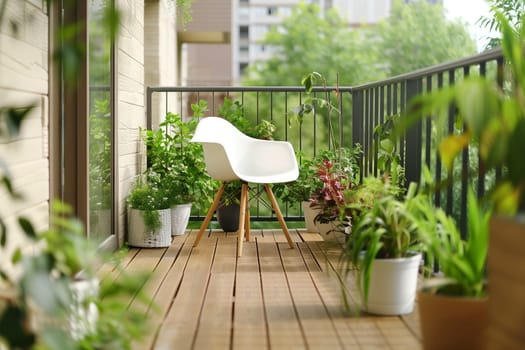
[244, 32]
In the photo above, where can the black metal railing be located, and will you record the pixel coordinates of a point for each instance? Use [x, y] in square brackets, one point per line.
[361, 109]
[265, 103]
[375, 101]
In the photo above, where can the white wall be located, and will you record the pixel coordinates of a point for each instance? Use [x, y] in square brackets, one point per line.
[130, 99]
[24, 81]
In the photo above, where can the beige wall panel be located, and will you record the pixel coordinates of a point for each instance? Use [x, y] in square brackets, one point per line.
[131, 92]
[24, 81]
[209, 64]
[130, 97]
[22, 66]
[210, 16]
[133, 46]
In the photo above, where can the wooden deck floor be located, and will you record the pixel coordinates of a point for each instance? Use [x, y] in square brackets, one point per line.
[272, 297]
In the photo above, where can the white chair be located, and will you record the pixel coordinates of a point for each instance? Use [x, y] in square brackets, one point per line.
[231, 155]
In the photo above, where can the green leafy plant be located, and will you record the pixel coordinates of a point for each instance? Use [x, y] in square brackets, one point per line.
[36, 306]
[338, 172]
[494, 116]
[388, 158]
[147, 196]
[177, 163]
[462, 262]
[387, 230]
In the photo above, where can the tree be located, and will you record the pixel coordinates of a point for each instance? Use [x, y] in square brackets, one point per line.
[308, 41]
[418, 35]
[512, 10]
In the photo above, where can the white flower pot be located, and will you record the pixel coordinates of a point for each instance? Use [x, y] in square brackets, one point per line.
[140, 236]
[309, 215]
[393, 285]
[84, 312]
[180, 216]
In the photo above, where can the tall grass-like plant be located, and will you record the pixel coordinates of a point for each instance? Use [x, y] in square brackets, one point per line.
[388, 230]
[462, 261]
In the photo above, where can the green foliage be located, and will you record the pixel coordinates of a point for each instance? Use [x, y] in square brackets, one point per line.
[178, 162]
[332, 47]
[512, 10]
[418, 35]
[42, 291]
[462, 263]
[149, 195]
[388, 158]
[388, 230]
[338, 172]
[184, 11]
[100, 156]
[494, 119]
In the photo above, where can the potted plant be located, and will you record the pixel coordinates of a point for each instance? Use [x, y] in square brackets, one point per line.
[55, 300]
[494, 115]
[384, 247]
[180, 165]
[454, 301]
[338, 173]
[149, 215]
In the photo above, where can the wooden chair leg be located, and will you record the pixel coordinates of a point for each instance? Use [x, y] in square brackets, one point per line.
[242, 215]
[212, 209]
[247, 216]
[279, 215]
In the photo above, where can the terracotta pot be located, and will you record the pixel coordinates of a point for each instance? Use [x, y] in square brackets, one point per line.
[452, 322]
[506, 271]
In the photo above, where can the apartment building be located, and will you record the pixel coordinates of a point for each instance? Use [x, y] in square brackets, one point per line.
[247, 22]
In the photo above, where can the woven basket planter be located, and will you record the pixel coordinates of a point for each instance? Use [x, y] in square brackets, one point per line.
[140, 236]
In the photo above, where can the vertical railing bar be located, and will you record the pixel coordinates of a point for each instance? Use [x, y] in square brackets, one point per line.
[481, 172]
[428, 127]
[451, 118]
[375, 123]
[402, 106]
[437, 198]
[465, 174]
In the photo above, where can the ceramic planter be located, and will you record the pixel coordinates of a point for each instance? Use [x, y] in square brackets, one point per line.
[309, 215]
[180, 216]
[393, 284]
[140, 236]
[452, 323]
[506, 271]
[228, 217]
[84, 313]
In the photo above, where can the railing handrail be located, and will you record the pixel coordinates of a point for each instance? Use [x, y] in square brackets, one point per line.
[485, 56]
[252, 88]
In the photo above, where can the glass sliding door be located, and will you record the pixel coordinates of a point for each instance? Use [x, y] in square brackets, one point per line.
[100, 121]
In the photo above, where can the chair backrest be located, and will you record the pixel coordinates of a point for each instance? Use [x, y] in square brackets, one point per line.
[231, 155]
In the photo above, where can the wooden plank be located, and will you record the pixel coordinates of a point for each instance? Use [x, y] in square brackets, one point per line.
[249, 323]
[396, 333]
[283, 326]
[180, 324]
[369, 331]
[317, 326]
[176, 257]
[215, 323]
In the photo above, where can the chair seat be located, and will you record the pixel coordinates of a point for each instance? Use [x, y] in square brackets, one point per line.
[231, 155]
